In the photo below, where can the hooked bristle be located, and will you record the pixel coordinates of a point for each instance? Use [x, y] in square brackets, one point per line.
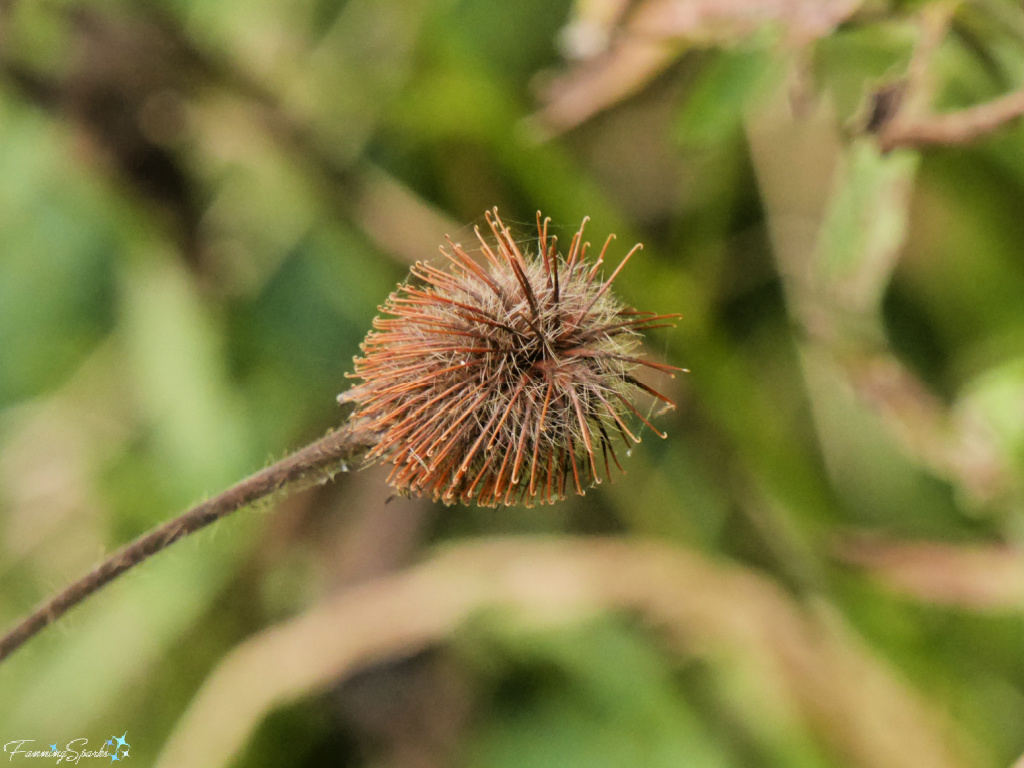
[503, 382]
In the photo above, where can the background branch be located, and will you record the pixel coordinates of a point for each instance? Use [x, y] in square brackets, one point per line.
[912, 125]
[955, 128]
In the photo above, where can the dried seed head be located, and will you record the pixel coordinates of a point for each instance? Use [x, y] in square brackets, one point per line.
[503, 382]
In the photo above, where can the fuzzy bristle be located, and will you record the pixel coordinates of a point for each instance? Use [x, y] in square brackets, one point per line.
[504, 382]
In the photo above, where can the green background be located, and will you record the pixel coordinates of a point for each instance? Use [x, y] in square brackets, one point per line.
[203, 203]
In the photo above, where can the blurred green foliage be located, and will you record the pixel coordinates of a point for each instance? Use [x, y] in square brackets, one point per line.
[202, 205]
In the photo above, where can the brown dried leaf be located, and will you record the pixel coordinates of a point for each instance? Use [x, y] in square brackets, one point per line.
[616, 63]
[728, 21]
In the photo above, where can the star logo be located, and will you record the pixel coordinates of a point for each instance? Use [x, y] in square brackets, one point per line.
[117, 742]
[53, 747]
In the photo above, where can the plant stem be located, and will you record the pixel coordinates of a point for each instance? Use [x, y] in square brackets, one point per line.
[314, 463]
[955, 128]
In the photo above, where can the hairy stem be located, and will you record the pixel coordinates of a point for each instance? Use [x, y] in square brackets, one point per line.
[315, 462]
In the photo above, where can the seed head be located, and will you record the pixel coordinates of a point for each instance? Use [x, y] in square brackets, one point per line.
[503, 382]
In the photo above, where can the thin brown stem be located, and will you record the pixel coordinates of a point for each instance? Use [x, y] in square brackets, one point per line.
[314, 463]
[913, 126]
[955, 128]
